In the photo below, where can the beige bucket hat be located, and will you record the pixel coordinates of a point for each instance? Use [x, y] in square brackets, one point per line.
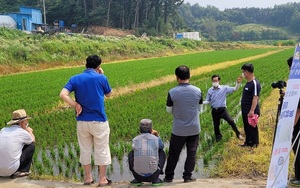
[17, 116]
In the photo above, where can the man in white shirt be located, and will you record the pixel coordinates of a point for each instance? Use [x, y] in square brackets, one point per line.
[16, 146]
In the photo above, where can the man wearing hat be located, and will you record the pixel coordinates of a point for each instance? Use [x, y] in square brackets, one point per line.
[147, 158]
[16, 146]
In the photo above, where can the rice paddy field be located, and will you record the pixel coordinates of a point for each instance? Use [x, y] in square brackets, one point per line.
[140, 89]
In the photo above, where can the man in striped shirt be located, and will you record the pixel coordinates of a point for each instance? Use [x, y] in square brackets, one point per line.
[250, 105]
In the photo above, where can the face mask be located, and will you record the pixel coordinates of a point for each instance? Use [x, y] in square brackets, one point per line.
[27, 124]
[215, 84]
[243, 75]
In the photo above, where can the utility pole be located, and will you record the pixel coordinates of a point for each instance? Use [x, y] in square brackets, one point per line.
[45, 22]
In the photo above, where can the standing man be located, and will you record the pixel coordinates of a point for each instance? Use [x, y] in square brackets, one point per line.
[250, 105]
[16, 146]
[296, 180]
[90, 88]
[184, 103]
[147, 159]
[216, 96]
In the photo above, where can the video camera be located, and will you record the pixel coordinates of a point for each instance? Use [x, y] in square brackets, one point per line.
[279, 84]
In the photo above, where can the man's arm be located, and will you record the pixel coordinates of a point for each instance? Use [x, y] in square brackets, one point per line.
[65, 95]
[30, 131]
[169, 106]
[238, 83]
[208, 98]
[253, 105]
[109, 94]
[297, 116]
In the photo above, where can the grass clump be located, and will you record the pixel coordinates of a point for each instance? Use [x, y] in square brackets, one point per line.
[247, 162]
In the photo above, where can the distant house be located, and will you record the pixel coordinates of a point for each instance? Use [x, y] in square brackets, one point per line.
[188, 35]
[28, 19]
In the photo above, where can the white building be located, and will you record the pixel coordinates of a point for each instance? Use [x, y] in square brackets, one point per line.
[189, 35]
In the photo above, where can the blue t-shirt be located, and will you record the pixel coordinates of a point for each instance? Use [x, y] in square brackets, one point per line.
[90, 89]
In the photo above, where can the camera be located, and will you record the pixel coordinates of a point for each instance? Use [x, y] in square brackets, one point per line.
[279, 84]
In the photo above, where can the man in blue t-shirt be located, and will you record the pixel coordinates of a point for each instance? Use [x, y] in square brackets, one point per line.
[250, 105]
[90, 88]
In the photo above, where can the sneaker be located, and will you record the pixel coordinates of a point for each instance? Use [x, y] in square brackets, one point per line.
[158, 182]
[190, 179]
[136, 183]
[240, 137]
[168, 180]
[295, 182]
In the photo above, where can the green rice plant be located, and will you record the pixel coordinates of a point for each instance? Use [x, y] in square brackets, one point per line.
[56, 127]
[67, 172]
[60, 168]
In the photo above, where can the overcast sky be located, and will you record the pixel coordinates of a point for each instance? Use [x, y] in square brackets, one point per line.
[222, 4]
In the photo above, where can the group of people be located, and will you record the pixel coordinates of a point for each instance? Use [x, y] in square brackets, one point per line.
[147, 158]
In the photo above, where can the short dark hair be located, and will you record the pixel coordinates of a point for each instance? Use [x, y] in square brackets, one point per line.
[182, 72]
[248, 67]
[290, 61]
[93, 61]
[146, 126]
[216, 75]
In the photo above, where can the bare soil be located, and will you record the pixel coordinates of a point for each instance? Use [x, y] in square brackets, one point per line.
[204, 183]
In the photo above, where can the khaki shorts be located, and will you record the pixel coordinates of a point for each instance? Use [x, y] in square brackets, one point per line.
[94, 135]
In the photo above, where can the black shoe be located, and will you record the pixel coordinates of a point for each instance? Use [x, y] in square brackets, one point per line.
[218, 138]
[249, 145]
[253, 145]
[244, 145]
[190, 179]
[158, 182]
[136, 183]
[168, 180]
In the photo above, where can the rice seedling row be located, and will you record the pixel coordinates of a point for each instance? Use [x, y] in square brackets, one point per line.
[56, 132]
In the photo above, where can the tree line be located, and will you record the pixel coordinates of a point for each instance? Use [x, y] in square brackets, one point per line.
[222, 25]
[164, 17]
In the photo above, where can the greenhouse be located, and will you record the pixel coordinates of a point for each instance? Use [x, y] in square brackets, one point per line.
[8, 22]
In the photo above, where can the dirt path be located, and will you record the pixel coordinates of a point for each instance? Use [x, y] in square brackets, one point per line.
[170, 78]
[203, 183]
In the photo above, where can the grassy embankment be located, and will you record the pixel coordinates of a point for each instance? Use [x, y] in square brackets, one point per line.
[21, 52]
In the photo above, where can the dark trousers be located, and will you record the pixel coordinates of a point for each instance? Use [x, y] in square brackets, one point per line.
[250, 132]
[297, 155]
[176, 145]
[222, 113]
[155, 175]
[26, 158]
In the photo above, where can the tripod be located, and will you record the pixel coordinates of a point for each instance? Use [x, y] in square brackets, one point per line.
[280, 100]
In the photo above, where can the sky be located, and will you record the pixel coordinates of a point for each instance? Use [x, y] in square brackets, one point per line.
[222, 4]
